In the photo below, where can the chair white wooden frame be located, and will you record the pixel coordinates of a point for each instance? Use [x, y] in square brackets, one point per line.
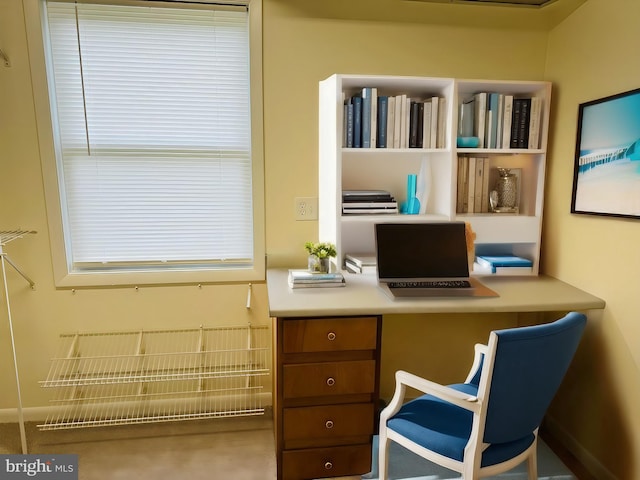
[470, 467]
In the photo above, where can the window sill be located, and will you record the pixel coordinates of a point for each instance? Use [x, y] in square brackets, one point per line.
[122, 279]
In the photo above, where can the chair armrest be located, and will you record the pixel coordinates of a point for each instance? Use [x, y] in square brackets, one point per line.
[437, 390]
[406, 379]
[480, 351]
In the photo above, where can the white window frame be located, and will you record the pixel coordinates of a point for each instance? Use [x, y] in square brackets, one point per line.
[63, 277]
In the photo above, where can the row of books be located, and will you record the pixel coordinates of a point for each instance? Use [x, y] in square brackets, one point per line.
[383, 121]
[501, 121]
[307, 279]
[473, 185]
[361, 202]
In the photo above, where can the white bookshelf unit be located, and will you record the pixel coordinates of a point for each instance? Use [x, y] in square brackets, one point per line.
[344, 168]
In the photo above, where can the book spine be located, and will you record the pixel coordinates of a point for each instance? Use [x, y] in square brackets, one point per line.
[435, 109]
[373, 141]
[407, 121]
[506, 125]
[426, 124]
[515, 122]
[357, 121]
[480, 116]
[492, 136]
[479, 174]
[499, 128]
[413, 125]
[520, 123]
[349, 125]
[463, 170]
[366, 117]
[397, 127]
[442, 123]
[534, 124]
[485, 185]
[383, 105]
[525, 118]
[391, 120]
[471, 190]
[420, 128]
[402, 143]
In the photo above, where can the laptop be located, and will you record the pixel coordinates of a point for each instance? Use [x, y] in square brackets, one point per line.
[425, 260]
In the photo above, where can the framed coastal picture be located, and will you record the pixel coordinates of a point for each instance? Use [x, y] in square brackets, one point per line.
[606, 177]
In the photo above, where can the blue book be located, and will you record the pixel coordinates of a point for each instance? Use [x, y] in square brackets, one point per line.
[499, 261]
[357, 121]
[348, 125]
[383, 108]
[366, 117]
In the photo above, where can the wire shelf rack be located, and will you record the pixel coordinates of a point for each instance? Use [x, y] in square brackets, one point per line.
[147, 376]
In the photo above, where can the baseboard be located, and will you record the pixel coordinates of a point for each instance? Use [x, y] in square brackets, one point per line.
[31, 414]
[591, 463]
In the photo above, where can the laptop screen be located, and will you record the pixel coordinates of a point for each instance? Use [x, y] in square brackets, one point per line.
[415, 251]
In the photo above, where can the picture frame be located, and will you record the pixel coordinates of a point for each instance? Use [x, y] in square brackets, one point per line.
[606, 178]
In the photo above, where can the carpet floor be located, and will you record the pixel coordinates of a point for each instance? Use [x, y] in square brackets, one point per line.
[229, 448]
[405, 465]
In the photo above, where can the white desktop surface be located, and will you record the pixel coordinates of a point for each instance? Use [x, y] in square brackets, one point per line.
[362, 296]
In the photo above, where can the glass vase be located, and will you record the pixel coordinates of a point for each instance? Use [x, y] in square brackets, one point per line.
[504, 197]
[318, 265]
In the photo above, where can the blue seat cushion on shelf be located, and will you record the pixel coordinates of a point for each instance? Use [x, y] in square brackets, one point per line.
[444, 428]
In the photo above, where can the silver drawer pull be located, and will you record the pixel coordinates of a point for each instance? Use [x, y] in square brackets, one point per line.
[328, 465]
[331, 381]
[329, 424]
[331, 336]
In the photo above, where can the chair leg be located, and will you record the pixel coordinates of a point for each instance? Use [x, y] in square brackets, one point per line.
[532, 465]
[383, 457]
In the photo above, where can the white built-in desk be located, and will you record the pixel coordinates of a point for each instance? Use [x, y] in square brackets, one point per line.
[361, 296]
[327, 360]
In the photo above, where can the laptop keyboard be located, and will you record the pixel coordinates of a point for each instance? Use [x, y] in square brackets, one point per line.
[432, 284]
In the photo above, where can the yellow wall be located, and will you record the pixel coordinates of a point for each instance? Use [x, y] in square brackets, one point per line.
[41, 315]
[304, 44]
[592, 55]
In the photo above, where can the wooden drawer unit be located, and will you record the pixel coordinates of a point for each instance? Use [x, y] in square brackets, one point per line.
[329, 378]
[326, 462]
[325, 395]
[329, 335]
[322, 425]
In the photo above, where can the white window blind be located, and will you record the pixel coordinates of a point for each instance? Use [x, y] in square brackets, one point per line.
[152, 118]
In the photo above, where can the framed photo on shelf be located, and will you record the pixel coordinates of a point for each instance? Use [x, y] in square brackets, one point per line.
[606, 176]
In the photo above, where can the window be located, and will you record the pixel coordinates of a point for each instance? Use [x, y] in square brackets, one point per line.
[152, 121]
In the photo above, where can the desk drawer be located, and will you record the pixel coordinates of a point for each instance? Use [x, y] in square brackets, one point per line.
[328, 421]
[330, 334]
[329, 378]
[326, 462]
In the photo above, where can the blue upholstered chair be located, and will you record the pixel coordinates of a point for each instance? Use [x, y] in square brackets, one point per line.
[489, 424]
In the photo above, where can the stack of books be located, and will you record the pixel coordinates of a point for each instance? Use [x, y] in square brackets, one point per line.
[360, 263]
[368, 202]
[307, 279]
[505, 264]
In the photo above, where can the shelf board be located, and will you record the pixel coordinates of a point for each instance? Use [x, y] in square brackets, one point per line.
[500, 151]
[393, 217]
